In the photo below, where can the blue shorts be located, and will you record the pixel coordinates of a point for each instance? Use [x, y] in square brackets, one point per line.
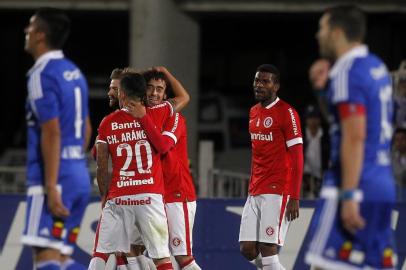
[332, 247]
[44, 230]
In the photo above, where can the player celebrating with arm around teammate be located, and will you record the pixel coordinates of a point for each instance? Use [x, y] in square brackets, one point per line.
[134, 196]
[180, 194]
[276, 171]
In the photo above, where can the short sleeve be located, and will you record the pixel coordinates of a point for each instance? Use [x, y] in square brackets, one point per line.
[43, 97]
[102, 131]
[348, 85]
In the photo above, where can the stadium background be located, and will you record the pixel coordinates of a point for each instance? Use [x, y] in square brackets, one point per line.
[213, 47]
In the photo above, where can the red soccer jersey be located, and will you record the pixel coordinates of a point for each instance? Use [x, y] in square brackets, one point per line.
[136, 165]
[179, 185]
[273, 129]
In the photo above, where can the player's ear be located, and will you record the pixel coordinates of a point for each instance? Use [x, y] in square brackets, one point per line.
[277, 86]
[120, 93]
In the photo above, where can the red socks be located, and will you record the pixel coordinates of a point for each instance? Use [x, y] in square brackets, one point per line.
[165, 266]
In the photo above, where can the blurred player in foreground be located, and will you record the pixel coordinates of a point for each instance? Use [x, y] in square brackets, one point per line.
[352, 222]
[58, 134]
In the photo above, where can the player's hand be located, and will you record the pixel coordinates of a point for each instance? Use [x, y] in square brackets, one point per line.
[136, 109]
[55, 204]
[292, 209]
[160, 69]
[318, 74]
[350, 216]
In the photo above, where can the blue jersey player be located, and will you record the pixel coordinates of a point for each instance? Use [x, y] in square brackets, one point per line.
[58, 133]
[352, 223]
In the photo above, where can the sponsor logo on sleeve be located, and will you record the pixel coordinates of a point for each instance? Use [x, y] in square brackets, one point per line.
[294, 125]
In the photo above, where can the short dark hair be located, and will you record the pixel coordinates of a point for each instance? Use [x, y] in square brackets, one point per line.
[116, 74]
[270, 69]
[157, 75]
[133, 85]
[351, 19]
[55, 24]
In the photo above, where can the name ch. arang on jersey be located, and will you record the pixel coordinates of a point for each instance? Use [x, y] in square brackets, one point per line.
[126, 136]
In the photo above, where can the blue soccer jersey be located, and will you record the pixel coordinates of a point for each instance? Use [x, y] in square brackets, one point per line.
[362, 78]
[358, 78]
[56, 89]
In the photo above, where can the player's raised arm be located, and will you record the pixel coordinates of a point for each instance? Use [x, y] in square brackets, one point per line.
[182, 97]
[318, 77]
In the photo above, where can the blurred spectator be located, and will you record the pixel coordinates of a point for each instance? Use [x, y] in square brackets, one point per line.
[399, 161]
[316, 150]
[400, 99]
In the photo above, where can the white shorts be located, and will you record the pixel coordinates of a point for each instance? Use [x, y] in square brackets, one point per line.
[181, 217]
[123, 217]
[263, 219]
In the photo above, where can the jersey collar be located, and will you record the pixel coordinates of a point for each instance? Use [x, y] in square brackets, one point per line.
[358, 51]
[54, 54]
[272, 104]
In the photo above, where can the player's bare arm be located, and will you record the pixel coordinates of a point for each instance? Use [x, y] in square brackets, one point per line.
[352, 153]
[50, 147]
[182, 97]
[292, 209]
[102, 173]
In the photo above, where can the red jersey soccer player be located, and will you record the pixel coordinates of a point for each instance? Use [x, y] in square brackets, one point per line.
[180, 195]
[135, 260]
[135, 193]
[274, 190]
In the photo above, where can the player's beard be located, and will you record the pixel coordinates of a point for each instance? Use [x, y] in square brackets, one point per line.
[114, 104]
[260, 94]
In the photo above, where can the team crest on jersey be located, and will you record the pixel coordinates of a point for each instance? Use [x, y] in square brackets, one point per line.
[268, 122]
[270, 231]
[176, 241]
